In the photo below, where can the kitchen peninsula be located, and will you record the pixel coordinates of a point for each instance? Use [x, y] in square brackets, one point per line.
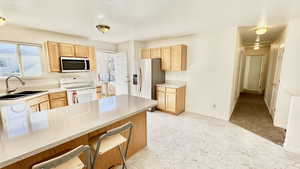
[49, 133]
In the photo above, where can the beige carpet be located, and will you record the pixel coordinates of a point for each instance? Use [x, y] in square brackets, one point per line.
[252, 114]
[192, 141]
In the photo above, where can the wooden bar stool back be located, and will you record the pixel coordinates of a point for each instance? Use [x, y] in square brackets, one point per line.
[112, 139]
[69, 160]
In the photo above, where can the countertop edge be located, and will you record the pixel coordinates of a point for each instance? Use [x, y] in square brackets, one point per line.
[52, 145]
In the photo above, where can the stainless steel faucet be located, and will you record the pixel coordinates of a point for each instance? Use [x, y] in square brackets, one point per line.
[6, 82]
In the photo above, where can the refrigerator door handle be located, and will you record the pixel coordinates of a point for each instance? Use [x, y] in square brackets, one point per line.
[141, 79]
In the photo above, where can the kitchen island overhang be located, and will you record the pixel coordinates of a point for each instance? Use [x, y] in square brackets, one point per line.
[50, 133]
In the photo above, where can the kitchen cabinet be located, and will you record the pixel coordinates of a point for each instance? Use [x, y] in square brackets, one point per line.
[52, 51]
[98, 92]
[155, 52]
[58, 99]
[44, 106]
[81, 51]
[66, 49]
[173, 58]
[178, 57]
[92, 58]
[161, 98]
[171, 100]
[39, 103]
[166, 58]
[145, 53]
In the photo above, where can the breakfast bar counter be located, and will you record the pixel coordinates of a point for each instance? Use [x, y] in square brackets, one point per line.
[47, 134]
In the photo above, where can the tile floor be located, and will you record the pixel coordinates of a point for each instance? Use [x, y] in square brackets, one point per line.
[252, 114]
[193, 141]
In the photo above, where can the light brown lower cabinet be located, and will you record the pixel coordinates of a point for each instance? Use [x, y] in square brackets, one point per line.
[58, 99]
[171, 100]
[39, 103]
[44, 106]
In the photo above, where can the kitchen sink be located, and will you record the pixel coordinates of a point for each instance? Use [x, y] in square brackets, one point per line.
[12, 96]
[19, 95]
[30, 92]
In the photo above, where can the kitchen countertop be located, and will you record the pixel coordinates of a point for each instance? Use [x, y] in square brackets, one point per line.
[51, 128]
[172, 85]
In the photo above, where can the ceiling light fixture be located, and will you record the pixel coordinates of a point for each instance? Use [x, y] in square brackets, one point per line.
[103, 28]
[261, 30]
[257, 39]
[100, 16]
[2, 21]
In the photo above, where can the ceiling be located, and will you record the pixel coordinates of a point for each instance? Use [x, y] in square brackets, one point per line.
[144, 19]
[249, 36]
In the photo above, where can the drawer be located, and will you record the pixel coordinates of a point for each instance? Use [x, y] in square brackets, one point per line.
[38, 100]
[170, 90]
[160, 88]
[98, 89]
[57, 95]
[55, 103]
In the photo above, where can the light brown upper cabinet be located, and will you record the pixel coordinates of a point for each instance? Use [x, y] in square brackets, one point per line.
[66, 49]
[166, 58]
[145, 53]
[81, 51]
[52, 51]
[92, 58]
[178, 57]
[155, 52]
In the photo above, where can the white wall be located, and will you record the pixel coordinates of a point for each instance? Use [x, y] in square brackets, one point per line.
[289, 81]
[209, 75]
[28, 35]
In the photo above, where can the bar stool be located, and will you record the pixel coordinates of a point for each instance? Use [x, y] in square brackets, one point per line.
[69, 160]
[111, 139]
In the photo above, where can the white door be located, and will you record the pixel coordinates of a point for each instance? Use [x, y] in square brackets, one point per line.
[121, 73]
[276, 81]
[253, 73]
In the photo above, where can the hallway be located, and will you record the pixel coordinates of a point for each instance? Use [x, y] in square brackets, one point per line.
[252, 114]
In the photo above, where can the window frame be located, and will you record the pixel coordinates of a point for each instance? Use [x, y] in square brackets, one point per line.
[19, 56]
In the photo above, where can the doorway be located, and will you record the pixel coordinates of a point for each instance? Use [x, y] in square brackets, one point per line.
[113, 72]
[257, 82]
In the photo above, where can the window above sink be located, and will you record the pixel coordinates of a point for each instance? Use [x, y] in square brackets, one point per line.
[20, 59]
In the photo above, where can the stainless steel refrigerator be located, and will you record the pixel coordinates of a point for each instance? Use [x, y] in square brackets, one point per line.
[150, 74]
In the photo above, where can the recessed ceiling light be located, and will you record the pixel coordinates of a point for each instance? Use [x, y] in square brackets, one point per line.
[257, 39]
[2, 21]
[100, 16]
[261, 30]
[256, 47]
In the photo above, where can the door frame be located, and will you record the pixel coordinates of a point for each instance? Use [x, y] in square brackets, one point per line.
[276, 79]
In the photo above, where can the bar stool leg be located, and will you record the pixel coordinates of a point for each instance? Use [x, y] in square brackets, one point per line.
[123, 158]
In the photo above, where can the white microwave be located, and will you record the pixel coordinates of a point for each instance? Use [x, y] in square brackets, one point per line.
[74, 64]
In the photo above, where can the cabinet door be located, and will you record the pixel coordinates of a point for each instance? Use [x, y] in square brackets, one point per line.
[55, 103]
[52, 52]
[35, 108]
[166, 58]
[145, 53]
[161, 98]
[155, 52]
[176, 58]
[66, 49]
[44, 106]
[92, 57]
[171, 102]
[81, 51]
